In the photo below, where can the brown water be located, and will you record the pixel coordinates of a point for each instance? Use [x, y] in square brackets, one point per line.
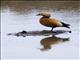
[17, 16]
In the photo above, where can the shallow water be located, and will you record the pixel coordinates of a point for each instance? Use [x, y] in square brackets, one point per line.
[17, 16]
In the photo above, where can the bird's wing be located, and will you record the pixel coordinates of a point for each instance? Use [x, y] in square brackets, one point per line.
[54, 22]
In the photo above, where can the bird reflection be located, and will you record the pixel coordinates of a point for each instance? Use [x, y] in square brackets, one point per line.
[49, 41]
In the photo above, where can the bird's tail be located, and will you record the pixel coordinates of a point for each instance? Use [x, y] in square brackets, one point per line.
[65, 25]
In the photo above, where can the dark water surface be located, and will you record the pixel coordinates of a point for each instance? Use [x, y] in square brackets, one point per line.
[17, 16]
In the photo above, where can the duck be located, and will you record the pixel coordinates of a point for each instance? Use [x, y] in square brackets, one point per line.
[51, 22]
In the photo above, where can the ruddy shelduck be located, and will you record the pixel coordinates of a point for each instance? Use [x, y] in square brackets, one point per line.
[49, 22]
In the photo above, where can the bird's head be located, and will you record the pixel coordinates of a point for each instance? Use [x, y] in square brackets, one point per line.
[44, 14]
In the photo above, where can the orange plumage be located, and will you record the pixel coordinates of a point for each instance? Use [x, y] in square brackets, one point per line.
[50, 22]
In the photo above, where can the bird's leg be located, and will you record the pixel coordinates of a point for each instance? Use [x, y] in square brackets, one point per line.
[52, 29]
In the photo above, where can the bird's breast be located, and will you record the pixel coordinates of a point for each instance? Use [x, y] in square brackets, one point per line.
[44, 22]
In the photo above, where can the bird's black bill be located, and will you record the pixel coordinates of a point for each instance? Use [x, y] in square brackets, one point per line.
[38, 14]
